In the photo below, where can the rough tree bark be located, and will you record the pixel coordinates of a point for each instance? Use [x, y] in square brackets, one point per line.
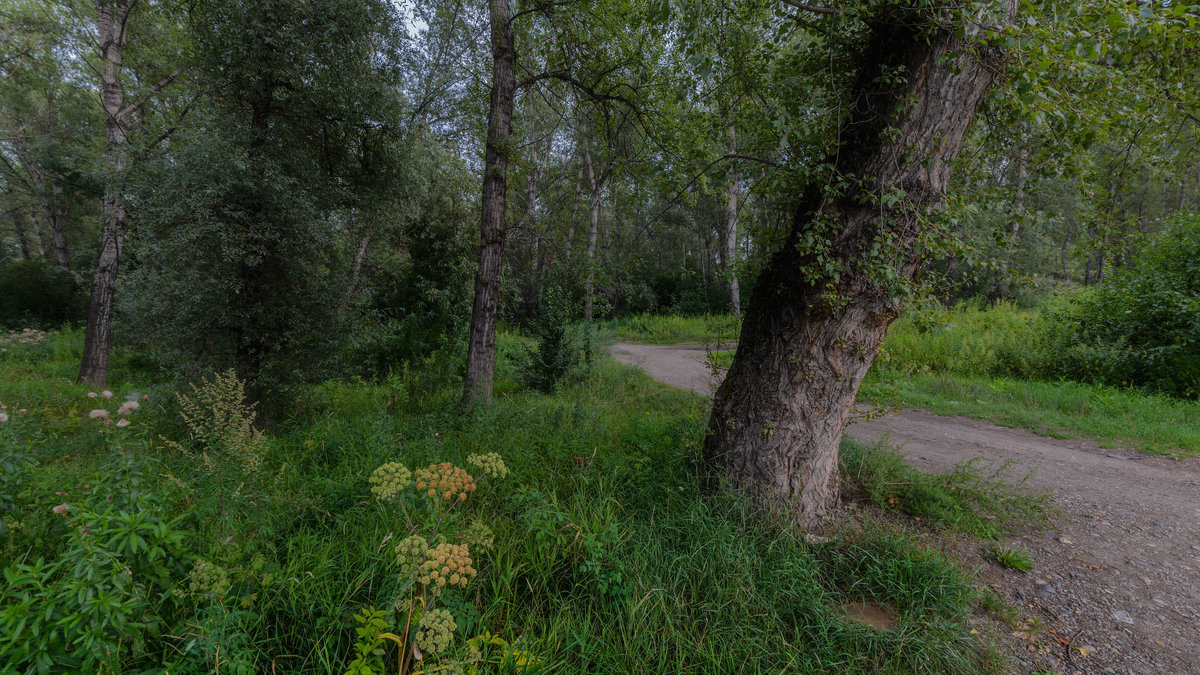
[97, 344]
[778, 417]
[481, 346]
[731, 225]
[589, 284]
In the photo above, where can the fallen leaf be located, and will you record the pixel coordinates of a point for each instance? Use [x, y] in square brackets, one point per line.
[1082, 651]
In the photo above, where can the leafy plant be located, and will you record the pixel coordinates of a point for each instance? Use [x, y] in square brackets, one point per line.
[106, 597]
[429, 564]
[563, 349]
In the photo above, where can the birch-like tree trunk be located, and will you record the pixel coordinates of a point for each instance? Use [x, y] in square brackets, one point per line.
[778, 417]
[97, 345]
[1018, 207]
[535, 172]
[731, 233]
[589, 284]
[481, 345]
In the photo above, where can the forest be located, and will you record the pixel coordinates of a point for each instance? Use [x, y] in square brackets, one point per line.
[311, 314]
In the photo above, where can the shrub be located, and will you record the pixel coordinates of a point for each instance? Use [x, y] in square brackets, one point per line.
[563, 349]
[1141, 326]
[34, 294]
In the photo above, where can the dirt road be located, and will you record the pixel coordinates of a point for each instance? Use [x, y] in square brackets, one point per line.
[1119, 577]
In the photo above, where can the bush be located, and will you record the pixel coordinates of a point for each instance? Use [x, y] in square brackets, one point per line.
[563, 349]
[37, 295]
[1141, 327]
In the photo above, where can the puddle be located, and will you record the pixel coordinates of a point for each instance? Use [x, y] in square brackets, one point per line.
[873, 614]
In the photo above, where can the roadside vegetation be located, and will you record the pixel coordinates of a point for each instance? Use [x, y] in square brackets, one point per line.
[206, 543]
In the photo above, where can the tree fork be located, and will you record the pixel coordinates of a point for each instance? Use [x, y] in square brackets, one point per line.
[778, 417]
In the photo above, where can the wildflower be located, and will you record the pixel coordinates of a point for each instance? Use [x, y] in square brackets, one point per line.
[61, 509]
[92, 394]
[435, 630]
[206, 580]
[444, 480]
[106, 394]
[123, 422]
[98, 414]
[477, 535]
[3, 417]
[389, 480]
[489, 463]
[447, 564]
[127, 407]
[410, 553]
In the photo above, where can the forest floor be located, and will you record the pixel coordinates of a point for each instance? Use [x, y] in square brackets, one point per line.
[1115, 583]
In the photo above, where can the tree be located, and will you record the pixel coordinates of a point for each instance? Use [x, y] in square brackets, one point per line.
[251, 222]
[821, 307]
[481, 343]
[113, 31]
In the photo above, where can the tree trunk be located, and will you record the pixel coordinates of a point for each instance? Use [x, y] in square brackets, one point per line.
[22, 239]
[574, 214]
[589, 286]
[97, 343]
[481, 346]
[50, 193]
[731, 225]
[531, 204]
[360, 254]
[778, 417]
[1014, 227]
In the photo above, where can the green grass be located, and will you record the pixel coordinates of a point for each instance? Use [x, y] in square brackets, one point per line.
[608, 556]
[979, 497]
[1112, 417]
[660, 329]
[1011, 558]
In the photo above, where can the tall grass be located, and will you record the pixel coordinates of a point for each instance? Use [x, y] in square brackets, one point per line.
[664, 329]
[608, 557]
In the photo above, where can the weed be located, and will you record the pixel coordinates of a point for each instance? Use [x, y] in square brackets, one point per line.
[1011, 558]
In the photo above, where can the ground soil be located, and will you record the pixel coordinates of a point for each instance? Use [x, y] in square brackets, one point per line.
[1115, 584]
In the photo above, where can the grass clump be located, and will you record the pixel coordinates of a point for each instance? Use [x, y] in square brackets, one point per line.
[976, 498]
[1011, 558]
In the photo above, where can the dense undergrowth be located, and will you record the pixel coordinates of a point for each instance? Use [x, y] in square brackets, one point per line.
[187, 541]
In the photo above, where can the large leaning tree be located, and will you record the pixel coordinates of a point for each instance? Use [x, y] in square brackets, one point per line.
[822, 305]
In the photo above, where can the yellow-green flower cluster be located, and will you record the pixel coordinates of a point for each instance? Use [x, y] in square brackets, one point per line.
[444, 480]
[435, 630]
[477, 535]
[410, 553]
[489, 463]
[447, 564]
[206, 580]
[389, 480]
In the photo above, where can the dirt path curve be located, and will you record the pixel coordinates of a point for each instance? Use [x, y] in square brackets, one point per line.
[1119, 578]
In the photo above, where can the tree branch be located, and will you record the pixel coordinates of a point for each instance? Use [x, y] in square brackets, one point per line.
[130, 108]
[814, 9]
